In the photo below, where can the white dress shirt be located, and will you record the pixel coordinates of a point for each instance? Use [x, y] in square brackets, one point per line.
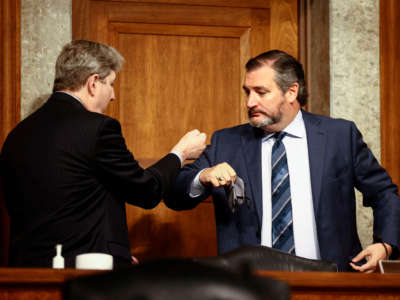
[304, 229]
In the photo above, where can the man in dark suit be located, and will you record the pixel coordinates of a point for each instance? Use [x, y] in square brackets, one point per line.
[67, 172]
[312, 212]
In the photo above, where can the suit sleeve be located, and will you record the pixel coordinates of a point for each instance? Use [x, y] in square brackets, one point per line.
[379, 192]
[117, 169]
[179, 198]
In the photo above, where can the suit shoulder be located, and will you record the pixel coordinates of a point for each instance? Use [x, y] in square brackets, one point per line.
[108, 122]
[98, 117]
[63, 105]
[235, 130]
[327, 122]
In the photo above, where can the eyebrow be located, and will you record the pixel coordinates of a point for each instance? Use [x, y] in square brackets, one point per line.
[255, 87]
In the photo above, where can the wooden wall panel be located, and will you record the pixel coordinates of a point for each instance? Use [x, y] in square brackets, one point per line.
[184, 69]
[165, 105]
[390, 86]
[228, 3]
[9, 66]
[284, 27]
[151, 13]
[160, 232]
[9, 93]
[314, 53]
[168, 100]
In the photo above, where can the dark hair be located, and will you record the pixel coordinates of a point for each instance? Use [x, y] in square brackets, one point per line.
[80, 59]
[287, 69]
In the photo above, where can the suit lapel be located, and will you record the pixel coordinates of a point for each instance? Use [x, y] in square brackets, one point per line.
[316, 140]
[251, 145]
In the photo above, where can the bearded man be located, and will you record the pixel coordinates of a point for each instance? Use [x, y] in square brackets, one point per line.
[299, 171]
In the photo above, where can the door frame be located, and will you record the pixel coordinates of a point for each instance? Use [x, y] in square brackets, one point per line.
[10, 85]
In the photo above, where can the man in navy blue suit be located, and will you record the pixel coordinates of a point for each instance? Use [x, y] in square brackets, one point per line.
[326, 159]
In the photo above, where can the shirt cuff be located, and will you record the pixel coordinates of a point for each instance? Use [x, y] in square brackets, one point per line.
[179, 156]
[197, 188]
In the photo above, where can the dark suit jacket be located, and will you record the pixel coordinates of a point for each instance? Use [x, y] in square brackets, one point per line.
[339, 162]
[67, 175]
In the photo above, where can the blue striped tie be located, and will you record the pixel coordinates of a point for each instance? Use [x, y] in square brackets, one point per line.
[282, 223]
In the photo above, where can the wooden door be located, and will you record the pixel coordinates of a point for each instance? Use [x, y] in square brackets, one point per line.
[184, 69]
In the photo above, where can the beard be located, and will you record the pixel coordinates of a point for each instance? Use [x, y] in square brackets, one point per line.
[264, 122]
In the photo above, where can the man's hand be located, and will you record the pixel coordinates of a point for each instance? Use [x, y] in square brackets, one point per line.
[373, 253]
[135, 261]
[219, 175]
[191, 145]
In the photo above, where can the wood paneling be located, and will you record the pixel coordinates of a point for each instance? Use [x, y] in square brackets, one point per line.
[338, 286]
[9, 92]
[37, 284]
[390, 86]
[184, 67]
[161, 232]
[314, 53]
[9, 66]
[284, 27]
[229, 3]
[166, 103]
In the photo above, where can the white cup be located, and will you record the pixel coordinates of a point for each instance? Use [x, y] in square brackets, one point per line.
[94, 261]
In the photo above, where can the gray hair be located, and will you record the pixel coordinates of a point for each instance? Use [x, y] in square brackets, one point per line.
[80, 59]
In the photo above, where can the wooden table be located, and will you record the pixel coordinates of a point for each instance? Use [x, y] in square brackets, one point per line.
[327, 285]
[46, 284]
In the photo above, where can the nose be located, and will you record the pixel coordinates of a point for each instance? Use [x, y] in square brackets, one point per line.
[251, 100]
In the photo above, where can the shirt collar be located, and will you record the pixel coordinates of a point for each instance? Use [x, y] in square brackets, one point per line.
[295, 128]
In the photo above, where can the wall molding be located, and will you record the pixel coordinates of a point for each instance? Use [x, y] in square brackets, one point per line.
[10, 83]
[390, 88]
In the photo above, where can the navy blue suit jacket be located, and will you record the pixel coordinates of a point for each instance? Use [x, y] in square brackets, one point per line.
[339, 162]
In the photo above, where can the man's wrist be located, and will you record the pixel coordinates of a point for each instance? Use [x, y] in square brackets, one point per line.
[388, 249]
[197, 188]
[394, 250]
[179, 155]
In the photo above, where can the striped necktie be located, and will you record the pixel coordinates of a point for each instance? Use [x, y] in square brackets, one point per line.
[282, 223]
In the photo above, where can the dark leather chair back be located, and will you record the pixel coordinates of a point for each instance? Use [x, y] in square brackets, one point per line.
[250, 258]
[175, 280]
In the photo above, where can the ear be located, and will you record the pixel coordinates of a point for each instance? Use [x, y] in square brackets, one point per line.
[92, 83]
[292, 92]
